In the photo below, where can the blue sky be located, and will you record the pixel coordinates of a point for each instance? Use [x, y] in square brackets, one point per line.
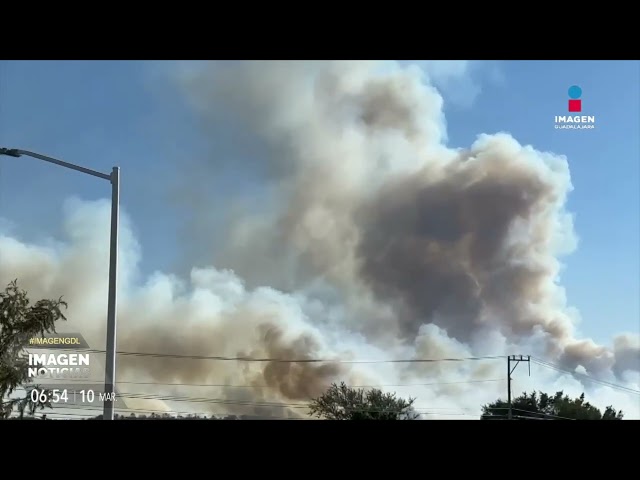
[101, 114]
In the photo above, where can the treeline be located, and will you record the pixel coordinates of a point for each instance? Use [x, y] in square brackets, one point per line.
[542, 406]
[152, 416]
[167, 416]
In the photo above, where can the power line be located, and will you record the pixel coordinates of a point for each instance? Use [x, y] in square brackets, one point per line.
[226, 385]
[584, 376]
[281, 360]
[259, 404]
[422, 410]
[120, 411]
[204, 416]
[419, 410]
[207, 414]
[317, 360]
[542, 415]
[246, 403]
[264, 404]
[320, 360]
[536, 415]
[426, 411]
[169, 398]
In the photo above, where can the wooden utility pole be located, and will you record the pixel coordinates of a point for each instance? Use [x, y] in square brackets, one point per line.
[517, 359]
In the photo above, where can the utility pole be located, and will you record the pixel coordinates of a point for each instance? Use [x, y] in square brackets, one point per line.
[517, 359]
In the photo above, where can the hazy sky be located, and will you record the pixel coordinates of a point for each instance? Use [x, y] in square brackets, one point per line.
[101, 114]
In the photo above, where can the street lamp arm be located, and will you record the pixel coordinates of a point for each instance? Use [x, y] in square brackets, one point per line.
[114, 179]
[17, 153]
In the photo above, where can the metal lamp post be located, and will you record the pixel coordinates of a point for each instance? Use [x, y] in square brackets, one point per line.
[114, 178]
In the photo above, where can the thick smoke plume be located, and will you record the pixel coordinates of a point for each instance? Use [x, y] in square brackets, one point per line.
[372, 239]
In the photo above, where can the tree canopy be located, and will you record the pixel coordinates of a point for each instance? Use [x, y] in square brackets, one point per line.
[341, 402]
[539, 405]
[19, 321]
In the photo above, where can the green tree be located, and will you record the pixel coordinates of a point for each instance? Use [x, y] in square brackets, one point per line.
[341, 402]
[19, 322]
[541, 405]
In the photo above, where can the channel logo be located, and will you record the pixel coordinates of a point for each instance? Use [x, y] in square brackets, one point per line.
[575, 101]
[573, 121]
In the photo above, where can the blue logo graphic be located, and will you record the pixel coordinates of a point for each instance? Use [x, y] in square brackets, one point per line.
[575, 92]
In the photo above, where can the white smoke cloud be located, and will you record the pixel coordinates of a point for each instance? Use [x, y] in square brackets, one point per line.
[376, 242]
[461, 81]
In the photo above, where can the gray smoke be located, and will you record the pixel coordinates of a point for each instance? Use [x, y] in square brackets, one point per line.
[370, 239]
[371, 203]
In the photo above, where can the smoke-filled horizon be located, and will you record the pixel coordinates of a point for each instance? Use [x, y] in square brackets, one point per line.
[372, 240]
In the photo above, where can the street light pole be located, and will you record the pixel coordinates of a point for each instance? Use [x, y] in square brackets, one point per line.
[114, 179]
[110, 367]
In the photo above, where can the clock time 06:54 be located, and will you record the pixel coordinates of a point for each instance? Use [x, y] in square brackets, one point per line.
[46, 396]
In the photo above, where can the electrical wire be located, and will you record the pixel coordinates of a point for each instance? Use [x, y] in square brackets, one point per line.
[170, 398]
[584, 376]
[208, 415]
[232, 402]
[263, 404]
[245, 403]
[421, 410]
[317, 360]
[537, 415]
[281, 360]
[226, 385]
[119, 412]
[173, 412]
